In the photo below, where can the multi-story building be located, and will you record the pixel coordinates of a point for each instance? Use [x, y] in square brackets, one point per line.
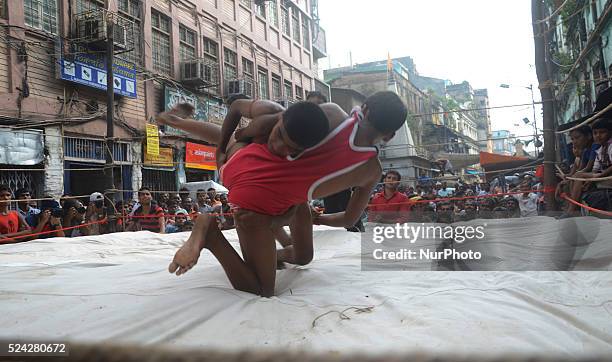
[53, 82]
[503, 142]
[579, 56]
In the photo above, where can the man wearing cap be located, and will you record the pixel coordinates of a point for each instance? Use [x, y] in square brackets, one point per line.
[95, 213]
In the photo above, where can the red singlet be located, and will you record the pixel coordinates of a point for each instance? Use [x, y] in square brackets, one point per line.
[268, 184]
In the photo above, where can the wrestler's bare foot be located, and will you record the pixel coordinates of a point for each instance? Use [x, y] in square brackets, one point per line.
[186, 257]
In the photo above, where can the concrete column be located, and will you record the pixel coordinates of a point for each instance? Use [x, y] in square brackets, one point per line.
[54, 162]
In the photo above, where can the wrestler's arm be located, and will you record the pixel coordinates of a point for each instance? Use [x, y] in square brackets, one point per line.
[258, 130]
[205, 131]
[357, 203]
[248, 109]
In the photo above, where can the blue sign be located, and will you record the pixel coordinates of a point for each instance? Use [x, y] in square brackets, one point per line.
[90, 70]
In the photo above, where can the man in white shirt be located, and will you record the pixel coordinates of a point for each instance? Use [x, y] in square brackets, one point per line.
[528, 201]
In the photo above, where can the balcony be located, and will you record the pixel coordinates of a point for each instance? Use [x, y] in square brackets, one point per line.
[319, 42]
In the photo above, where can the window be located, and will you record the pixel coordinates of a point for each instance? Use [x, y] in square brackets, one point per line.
[230, 63]
[299, 92]
[130, 7]
[262, 74]
[41, 14]
[83, 6]
[187, 46]
[276, 87]
[285, 21]
[246, 3]
[211, 67]
[260, 9]
[131, 10]
[247, 68]
[273, 10]
[296, 25]
[162, 55]
[249, 78]
[2, 10]
[305, 32]
[211, 48]
[288, 90]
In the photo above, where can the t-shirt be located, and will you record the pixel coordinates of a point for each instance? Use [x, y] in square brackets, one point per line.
[528, 204]
[30, 215]
[396, 208]
[150, 221]
[589, 154]
[9, 223]
[443, 193]
[206, 209]
[603, 160]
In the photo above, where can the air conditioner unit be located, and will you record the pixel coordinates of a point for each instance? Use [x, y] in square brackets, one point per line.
[235, 86]
[191, 71]
[92, 30]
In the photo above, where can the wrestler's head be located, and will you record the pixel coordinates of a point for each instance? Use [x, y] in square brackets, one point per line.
[385, 113]
[301, 126]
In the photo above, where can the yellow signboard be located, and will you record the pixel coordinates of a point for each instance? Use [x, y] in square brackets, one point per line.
[165, 158]
[152, 140]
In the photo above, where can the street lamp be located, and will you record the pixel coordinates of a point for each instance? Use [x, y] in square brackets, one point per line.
[536, 140]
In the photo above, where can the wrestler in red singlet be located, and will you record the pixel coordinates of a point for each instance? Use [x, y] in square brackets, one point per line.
[268, 184]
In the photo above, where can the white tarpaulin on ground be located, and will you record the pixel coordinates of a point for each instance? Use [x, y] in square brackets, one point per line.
[116, 288]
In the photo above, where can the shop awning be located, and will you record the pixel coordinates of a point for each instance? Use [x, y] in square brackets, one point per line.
[459, 160]
[492, 162]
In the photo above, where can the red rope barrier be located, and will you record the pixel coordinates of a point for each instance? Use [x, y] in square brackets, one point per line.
[103, 221]
[586, 207]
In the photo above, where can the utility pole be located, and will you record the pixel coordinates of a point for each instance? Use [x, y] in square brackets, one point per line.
[110, 111]
[548, 121]
[535, 123]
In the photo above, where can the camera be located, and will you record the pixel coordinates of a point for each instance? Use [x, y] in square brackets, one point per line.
[81, 210]
[56, 212]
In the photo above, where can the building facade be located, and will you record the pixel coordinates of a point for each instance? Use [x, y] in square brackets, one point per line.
[579, 56]
[503, 142]
[53, 86]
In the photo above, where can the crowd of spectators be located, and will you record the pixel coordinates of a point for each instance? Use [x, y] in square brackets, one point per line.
[392, 202]
[25, 219]
[592, 150]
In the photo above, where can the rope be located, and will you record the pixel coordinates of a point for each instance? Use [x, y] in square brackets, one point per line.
[586, 207]
[3, 240]
[587, 121]
[590, 179]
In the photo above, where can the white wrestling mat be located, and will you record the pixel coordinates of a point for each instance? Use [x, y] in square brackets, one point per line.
[116, 288]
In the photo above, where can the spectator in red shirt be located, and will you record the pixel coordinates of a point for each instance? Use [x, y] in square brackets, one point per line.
[148, 216]
[389, 206]
[12, 225]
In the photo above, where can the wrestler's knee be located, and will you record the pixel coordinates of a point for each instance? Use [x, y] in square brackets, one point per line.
[303, 257]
